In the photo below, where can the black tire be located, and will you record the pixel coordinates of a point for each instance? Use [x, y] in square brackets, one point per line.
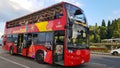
[11, 51]
[115, 53]
[39, 57]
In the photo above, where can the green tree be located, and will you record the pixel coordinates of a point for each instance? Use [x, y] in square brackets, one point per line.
[96, 29]
[102, 32]
[109, 30]
[103, 23]
[116, 27]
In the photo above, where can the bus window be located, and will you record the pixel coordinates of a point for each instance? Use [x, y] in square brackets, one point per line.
[35, 38]
[12, 38]
[59, 37]
[39, 38]
[29, 40]
[59, 14]
[49, 37]
[43, 38]
[49, 40]
[75, 14]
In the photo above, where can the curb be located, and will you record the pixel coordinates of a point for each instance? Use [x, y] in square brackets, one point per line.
[99, 53]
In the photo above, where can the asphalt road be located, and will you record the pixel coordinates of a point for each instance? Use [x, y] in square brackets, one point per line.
[17, 61]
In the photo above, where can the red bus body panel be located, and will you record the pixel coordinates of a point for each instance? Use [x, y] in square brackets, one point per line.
[8, 45]
[77, 57]
[24, 51]
[48, 57]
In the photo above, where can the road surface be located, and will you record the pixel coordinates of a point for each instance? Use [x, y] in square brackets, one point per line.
[17, 61]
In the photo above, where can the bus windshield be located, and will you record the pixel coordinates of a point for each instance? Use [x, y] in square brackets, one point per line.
[77, 37]
[75, 13]
[76, 33]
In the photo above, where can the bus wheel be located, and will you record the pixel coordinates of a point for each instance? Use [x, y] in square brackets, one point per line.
[11, 51]
[40, 57]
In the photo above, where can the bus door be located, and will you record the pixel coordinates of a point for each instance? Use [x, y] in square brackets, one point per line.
[19, 46]
[59, 47]
[27, 41]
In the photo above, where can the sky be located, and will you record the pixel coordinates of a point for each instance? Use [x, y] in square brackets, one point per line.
[95, 10]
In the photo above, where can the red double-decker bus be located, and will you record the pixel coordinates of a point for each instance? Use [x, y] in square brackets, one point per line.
[55, 35]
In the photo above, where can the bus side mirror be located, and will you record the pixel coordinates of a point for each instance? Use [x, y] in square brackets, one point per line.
[0, 44]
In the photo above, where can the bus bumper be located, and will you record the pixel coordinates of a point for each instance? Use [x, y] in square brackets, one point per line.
[76, 58]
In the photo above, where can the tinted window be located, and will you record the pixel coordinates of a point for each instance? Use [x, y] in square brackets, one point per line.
[12, 38]
[49, 36]
[42, 38]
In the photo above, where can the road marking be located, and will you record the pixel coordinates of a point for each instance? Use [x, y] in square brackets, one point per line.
[111, 56]
[14, 62]
[104, 65]
[3, 54]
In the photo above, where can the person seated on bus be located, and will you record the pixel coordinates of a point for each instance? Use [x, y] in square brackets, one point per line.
[59, 14]
[20, 23]
[40, 19]
[26, 23]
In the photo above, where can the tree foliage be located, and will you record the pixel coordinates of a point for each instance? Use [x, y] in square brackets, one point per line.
[103, 23]
[109, 30]
[112, 30]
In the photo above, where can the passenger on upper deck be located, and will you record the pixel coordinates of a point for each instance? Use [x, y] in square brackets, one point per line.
[59, 14]
[40, 19]
[26, 23]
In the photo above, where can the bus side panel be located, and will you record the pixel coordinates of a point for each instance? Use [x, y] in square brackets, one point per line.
[7, 46]
[31, 51]
[15, 49]
[48, 57]
[24, 51]
[87, 56]
[4, 47]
